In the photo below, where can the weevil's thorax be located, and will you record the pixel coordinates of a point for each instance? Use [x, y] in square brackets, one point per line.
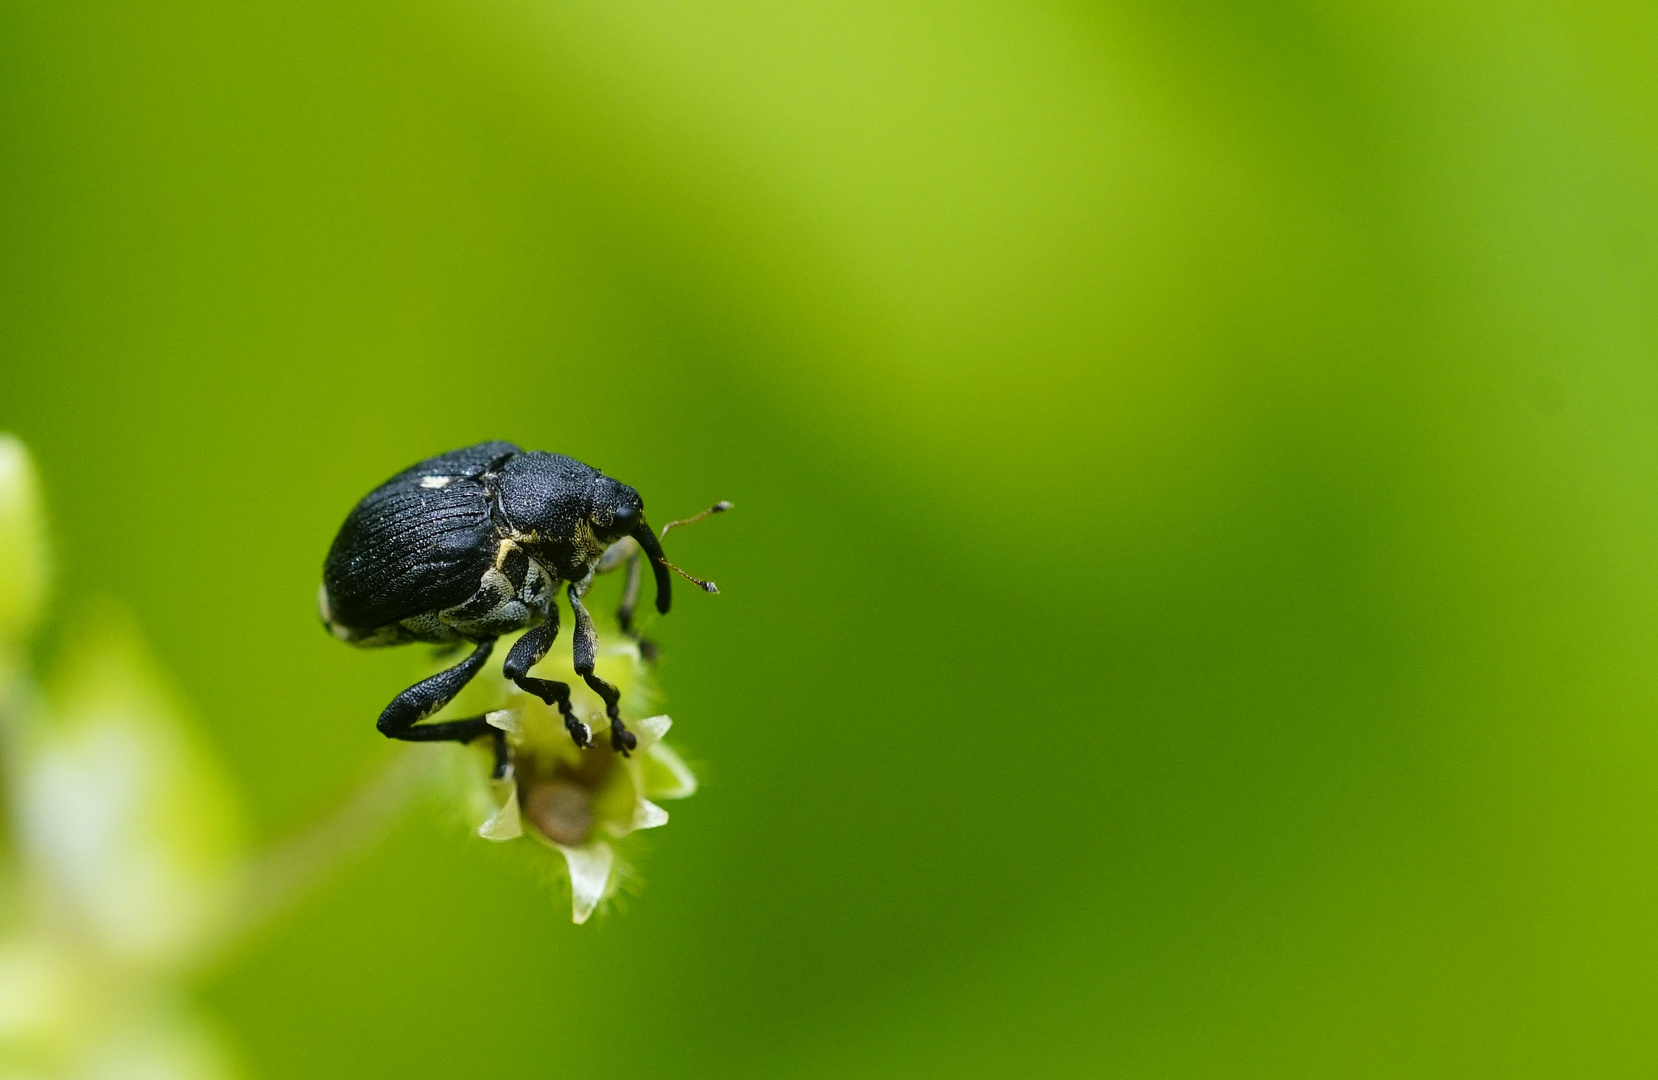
[544, 503]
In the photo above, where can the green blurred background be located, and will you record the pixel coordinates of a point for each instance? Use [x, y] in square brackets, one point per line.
[1191, 608]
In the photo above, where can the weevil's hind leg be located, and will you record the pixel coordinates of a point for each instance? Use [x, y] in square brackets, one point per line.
[584, 651]
[630, 601]
[526, 653]
[401, 719]
[463, 731]
[625, 553]
[630, 592]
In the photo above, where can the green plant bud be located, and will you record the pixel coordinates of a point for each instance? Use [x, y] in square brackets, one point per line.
[24, 567]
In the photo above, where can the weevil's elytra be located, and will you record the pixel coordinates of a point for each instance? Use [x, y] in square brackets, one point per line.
[471, 545]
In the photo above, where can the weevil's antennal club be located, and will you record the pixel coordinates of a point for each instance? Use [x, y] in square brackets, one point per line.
[705, 586]
[718, 508]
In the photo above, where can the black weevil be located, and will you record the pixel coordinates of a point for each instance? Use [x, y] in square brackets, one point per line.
[472, 544]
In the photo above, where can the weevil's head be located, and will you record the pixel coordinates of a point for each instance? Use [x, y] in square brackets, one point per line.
[616, 510]
[569, 513]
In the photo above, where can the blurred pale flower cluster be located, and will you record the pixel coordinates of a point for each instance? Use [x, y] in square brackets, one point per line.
[122, 848]
[123, 867]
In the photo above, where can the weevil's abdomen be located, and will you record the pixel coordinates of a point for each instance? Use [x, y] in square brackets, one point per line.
[515, 592]
[416, 546]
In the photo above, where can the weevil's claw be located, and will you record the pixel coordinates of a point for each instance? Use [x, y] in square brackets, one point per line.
[621, 739]
[580, 732]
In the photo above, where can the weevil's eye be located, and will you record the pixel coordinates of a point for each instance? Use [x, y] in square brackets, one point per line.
[616, 520]
[616, 509]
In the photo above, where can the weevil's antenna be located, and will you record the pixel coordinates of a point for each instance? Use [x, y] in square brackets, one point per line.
[659, 562]
[718, 508]
[705, 586]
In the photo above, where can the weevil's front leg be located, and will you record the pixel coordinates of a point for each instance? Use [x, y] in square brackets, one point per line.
[584, 651]
[526, 653]
[401, 719]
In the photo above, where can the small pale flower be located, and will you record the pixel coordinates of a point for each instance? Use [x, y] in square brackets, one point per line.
[576, 802]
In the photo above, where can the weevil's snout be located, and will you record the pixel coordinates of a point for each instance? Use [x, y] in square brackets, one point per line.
[646, 537]
[618, 511]
[663, 569]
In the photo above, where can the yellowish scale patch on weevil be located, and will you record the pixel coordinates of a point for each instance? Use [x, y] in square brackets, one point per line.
[586, 542]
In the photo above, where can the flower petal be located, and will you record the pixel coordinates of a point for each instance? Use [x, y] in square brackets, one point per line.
[505, 823]
[650, 731]
[507, 720]
[664, 775]
[590, 866]
[648, 815]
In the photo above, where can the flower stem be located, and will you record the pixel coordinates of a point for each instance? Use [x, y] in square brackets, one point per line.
[278, 879]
